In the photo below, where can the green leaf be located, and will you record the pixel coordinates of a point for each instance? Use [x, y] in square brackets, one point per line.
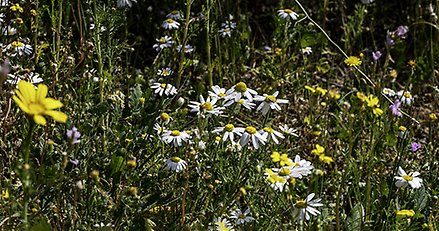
[354, 221]
[420, 199]
[41, 225]
[116, 164]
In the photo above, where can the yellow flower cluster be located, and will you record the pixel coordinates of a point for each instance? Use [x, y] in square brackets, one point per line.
[322, 92]
[320, 152]
[372, 102]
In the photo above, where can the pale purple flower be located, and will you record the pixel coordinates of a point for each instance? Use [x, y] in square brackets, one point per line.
[376, 55]
[394, 108]
[74, 161]
[73, 135]
[415, 146]
[401, 31]
[389, 40]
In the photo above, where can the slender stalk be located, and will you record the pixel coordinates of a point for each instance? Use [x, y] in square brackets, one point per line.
[185, 38]
[209, 61]
[26, 177]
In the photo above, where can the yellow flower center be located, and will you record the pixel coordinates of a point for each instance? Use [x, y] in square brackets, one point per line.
[164, 116]
[169, 20]
[301, 204]
[270, 99]
[241, 216]
[36, 108]
[162, 40]
[164, 85]
[229, 127]
[241, 101]
[407, 178]
[402, 128]
[353, 61]
[269, 130]
[175, 133]
[175, 159]
[407, 94]
[288, 11]
[16, 44]
[207, 106]
[251, 130]
[241, 87]
[222, 95]
[284, 172]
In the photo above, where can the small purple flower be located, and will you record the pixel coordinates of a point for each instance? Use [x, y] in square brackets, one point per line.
[376, 55]
[74, 161]
[415, 147]
[389, 40]
[401, 31]
[73, 135]
[394, 108]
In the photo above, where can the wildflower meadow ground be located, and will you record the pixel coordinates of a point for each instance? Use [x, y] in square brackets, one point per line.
[219, 115]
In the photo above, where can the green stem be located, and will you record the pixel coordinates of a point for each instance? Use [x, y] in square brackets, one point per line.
[209, 61]
[26, 176]
[185, 38]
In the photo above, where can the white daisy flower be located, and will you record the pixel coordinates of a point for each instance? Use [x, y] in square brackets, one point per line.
[306, 50]
[252, 134]
[19, 48]
[225, 32]
[389, 92]
[222, 224]
[164, 71]
[159, 129]
[234, 146]
[102, 225]
[404, 179]
[9, 31]
[34, 77]
[164, 88]
[244, 103]
[163, 42]
[269, 101]
[301, 166]
[405, 97]
[123, 3]
[241, 90]
[287, 130]
[205, 106]
[270, 133]
[229, 131]
[176, 137]
[242, 217]
[187, 49]
[170, 24]
[220, 93]
[164, 117]
[276, 182]
[303, 208]
[175, 15]
[287, 14]
[175, 164]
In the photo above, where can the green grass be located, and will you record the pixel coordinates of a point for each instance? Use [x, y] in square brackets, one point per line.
[99, 60]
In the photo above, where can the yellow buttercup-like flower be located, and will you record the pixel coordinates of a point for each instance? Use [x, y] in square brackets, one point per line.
[353, 61]
[36, 103]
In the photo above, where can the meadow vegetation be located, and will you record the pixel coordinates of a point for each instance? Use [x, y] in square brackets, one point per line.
[219, 115]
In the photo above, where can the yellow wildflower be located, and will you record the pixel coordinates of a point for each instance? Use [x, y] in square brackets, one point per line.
[353, 61]
[321, 91]
[311, 89]
[281, 158]
[16, 7]
[433, 116]
[334, 94]
[5, 194]
[405, 213]
[319, 150]
[325, 159]
[35, 104]
[361, 96]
